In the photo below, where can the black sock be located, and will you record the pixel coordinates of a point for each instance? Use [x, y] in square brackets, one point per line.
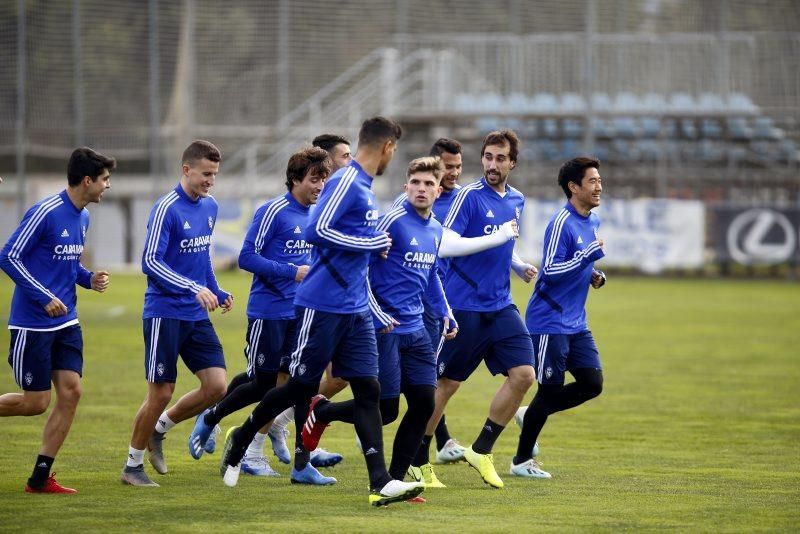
[41, 471]
[489, 434]
[409, 435]
[442, 434]
[301, 455]
[369, 426]
[244, 395]
[423, 453]
[327, 412]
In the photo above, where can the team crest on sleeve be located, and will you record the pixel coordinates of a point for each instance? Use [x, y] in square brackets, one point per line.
[516, 210]
[83, 230]
[210, 223]
[28, 378]
[160, 369]
[301, 370]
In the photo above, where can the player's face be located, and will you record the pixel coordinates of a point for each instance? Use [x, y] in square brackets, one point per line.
[497, 164]
[422, 190]
[588, 194]
[341, 156]
[200, 177]
[389, 148]
[308, 190]
[452, 170]
[96, 188]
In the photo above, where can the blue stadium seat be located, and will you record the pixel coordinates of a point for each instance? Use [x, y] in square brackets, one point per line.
[572, 103]
[489, 102]
[602, 128]
[682, 103]
[601, 101]
[548, 149]
[550, 128]
[655, 103]
[789, 152]
[626, 102]
[711, 128]
[572, 128]
[710, 102]
[688, 129]
[741, 102]
[764, 128]
[544, 103]
[626, 127]
[518, 103]
[651, 127]
[570, 149]
[738, 129]
[465, 102]
[648, 150]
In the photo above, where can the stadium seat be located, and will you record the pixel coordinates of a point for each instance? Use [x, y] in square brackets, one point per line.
[711, 128]
[518, 103]
[572, 128]
[710, 102]
[626, 127]
[572, 103]
[654, 103]
[651, 127]
[741, 102]
[688, 129]
[682, 103]
[601, 101]
[738, 129]
[544, 103]
[602, 128]
[648, 150]
[550, 128]
[764, 128]
[626, 102]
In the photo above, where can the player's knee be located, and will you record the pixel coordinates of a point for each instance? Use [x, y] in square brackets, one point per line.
[593, 384]
[366, 390]
[421, 400]
[37, 404]
[522, 377]
[70, 394]
[214, 391]
[448, 387]
[390, 408]
[159, 395]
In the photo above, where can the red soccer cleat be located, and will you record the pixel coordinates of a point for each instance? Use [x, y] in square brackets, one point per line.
[51, 486]
[313, 429]
[417, 500]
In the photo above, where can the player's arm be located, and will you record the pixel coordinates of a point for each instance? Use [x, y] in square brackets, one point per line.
[334, 203]
[455, 224]
[260, 233]
[558, 264]
[386, 321]
[526, 271]
[437, 299]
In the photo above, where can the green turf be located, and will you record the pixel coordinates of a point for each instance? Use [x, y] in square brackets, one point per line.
[698, 429]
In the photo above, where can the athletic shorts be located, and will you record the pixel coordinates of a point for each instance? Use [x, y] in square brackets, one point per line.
[558, 353]
[164, 339]
[434, 325]
[346, 340]
[34, 355]
[270, 343]
[405, 360]
[498, 338]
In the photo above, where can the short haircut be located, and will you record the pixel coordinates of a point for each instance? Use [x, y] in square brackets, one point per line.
[199, 150]
[377, 130]
[574, 170]
[432, 164]
[328, 141]
[86, 162]
[308, 159]
[443, 144]
[502, 137]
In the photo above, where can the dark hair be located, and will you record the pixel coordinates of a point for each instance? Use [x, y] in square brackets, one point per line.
[308, 159]
[443, 144]
[574, 170]
[86, 162]
[377, 130]
[502, 137]
[200, 149]
[431, 164]
[328, 141]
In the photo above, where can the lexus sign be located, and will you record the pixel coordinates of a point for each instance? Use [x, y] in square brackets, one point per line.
[758, 236]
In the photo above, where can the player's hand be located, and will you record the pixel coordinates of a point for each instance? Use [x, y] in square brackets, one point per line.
[100, 281]
[55, 308]
[448, 332]
[207, 300]
[301, 273]
[602, 244]
[227, 305]
[389, 327]
[529, 274]
[510, 229]
[598, 279]
[385, 253]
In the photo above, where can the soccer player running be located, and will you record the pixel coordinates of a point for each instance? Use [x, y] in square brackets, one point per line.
[276, 253]
[335, 321]
[338, 149]
[556, 316]
[407, 361]
[181, 290]
[42, 257]
[479, 234]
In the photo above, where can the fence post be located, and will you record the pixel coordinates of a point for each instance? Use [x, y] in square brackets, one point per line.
[22, 74]
[77, 75]
[388, 80]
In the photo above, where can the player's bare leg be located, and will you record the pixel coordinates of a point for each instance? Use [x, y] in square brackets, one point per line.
[26, 403]
[213, 384]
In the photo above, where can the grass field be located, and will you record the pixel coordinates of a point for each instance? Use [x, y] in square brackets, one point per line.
[698, 429]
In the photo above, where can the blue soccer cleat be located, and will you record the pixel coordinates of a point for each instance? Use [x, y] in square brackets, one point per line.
[211, 443]
[199, 436]
[323, 458]
[278, 439]
[309, 475]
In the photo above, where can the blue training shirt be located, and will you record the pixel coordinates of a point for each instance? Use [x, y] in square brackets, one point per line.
[42, 257]
[481, 281]
[409, 272]
[557, 305]
[176, 257]
[342, 229]
[273, 249]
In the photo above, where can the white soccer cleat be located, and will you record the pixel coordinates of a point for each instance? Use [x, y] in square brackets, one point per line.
[396, 491]
[451, 452]
[529, 469]
[231, 477]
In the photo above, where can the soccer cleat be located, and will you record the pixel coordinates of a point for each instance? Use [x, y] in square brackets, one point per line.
[426, 475]
[227, 449]
[529, 469]
[156, 452]
[313, 429]
[451, 452]
[417, 500]
[278, 439]
[135, 476]
[258, 467]
[231, 476]
[211, 443]
[323, 458]
[519, 417]
[199, 436]
[50, 486]
[310, 475]
[395, 491]
[484, 464]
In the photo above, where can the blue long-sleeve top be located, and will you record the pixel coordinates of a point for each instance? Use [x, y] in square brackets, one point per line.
[177, 258]
[558, 302]
[42, 257]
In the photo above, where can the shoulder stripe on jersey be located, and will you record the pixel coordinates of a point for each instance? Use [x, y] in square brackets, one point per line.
[23, 238]
[389, 218]
[574, 262]
[266, 221]
[397, 202]
[152, 246]
[323, 223]
[555, 236]
[458, 201]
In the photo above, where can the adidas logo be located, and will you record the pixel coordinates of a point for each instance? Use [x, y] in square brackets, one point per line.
[369, 451]
[414, 241]
[43, 464]
[490, 214]
[580, 240]
[65, 233]
[186, 225]
[297, 230]
[488, 428]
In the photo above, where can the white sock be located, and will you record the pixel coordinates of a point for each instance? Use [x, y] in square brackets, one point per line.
[164, 423]
[280, 422]
[135, 457]
[256, 448]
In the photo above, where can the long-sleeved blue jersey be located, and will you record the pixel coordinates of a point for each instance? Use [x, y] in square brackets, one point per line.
[342, 229]
[409, 271]
[557, 305]
[273, 249]
[43, 258]
[176, 257]
[481, 281]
